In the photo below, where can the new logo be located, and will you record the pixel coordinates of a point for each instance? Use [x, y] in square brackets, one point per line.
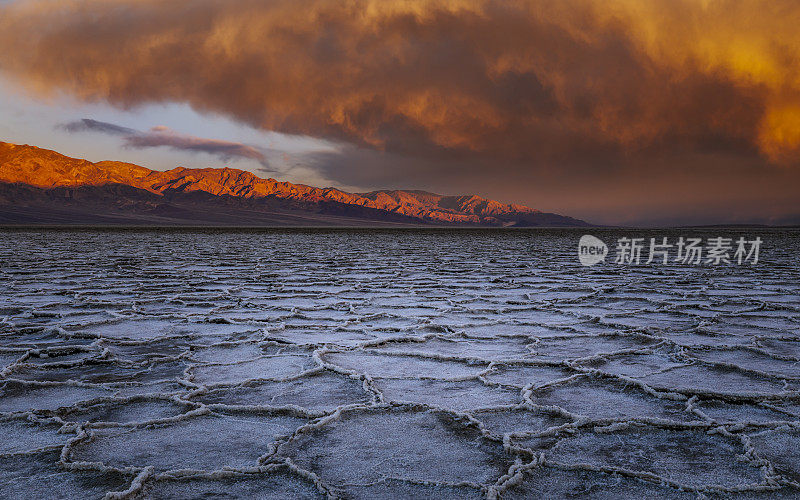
[591, 250]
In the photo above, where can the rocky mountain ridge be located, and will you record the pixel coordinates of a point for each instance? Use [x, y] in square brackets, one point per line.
[54, 176]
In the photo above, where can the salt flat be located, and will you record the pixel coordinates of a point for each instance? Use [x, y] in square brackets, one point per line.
[392, 364]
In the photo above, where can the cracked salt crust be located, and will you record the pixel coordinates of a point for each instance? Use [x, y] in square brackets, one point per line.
[276, 364]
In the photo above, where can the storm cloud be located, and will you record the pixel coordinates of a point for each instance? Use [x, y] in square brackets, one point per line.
[508, 90]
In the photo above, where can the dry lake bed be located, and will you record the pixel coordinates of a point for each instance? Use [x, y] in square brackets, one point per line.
[392, 364]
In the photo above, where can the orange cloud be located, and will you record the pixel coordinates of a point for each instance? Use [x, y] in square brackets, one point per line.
[534, 81]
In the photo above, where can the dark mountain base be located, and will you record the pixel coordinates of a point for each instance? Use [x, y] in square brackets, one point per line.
[119, 204]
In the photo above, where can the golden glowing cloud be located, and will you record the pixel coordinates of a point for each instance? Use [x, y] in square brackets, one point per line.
[534, 80]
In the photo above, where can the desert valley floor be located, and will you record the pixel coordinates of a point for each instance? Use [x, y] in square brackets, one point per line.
[391, 364]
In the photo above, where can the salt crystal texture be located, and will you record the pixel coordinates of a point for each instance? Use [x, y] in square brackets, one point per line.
[382, 365]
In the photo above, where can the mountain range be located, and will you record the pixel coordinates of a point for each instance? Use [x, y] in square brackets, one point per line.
[39, 186]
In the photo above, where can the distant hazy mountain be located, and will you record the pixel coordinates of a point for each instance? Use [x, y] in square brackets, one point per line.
[42, 186]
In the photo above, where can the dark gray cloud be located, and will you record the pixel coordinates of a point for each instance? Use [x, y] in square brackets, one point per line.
[89, 125]
[164, 137]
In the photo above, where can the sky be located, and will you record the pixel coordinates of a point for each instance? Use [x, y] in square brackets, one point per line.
[630, 112]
